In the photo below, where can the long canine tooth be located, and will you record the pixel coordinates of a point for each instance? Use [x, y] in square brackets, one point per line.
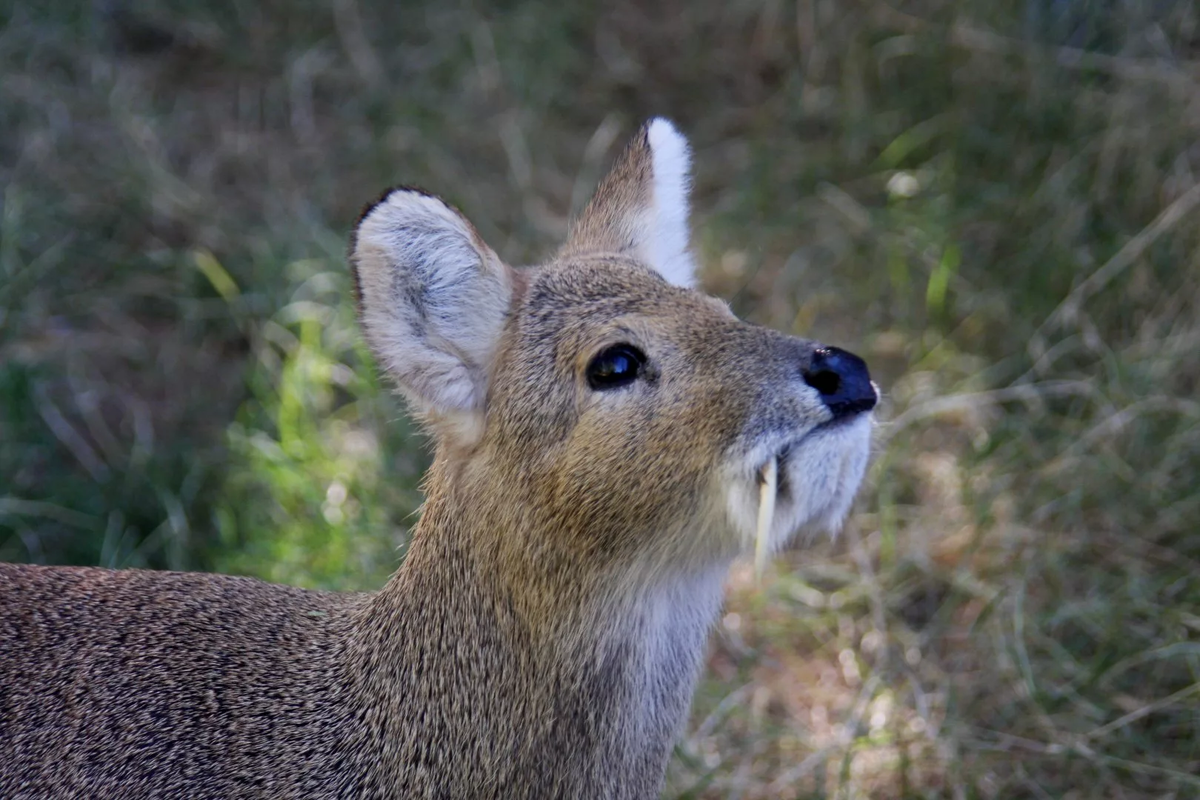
[766, 513]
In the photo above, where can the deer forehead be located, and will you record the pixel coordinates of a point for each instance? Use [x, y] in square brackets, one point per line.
[575, 306]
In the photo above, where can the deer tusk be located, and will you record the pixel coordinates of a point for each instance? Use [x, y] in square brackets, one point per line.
[766, 513]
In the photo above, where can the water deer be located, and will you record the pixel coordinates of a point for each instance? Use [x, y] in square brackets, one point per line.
[608, 440]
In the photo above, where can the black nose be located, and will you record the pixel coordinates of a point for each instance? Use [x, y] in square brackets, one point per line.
[842, 380]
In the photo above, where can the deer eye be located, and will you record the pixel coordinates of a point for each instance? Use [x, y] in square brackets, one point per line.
[615, 367]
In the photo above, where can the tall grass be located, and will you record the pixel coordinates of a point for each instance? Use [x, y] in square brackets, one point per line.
[995, 203]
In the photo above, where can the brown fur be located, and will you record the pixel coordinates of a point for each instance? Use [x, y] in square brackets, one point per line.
[546, 629]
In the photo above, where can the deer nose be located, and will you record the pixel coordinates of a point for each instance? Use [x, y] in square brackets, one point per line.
[842, 380]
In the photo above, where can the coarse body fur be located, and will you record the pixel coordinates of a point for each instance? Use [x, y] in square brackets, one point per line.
[545, 632]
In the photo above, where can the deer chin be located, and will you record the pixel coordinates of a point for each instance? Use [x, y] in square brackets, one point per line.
[799, 484]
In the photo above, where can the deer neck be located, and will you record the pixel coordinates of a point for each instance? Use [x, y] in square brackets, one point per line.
[559, 660]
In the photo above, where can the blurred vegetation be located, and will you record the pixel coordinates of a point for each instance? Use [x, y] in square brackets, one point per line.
[994, 202]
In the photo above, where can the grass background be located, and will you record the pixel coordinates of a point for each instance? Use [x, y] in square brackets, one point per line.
[994, 202]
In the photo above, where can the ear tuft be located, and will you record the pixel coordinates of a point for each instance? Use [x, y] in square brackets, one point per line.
[672, 166]
[433, 301]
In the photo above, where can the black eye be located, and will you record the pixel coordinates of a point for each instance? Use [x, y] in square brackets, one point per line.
[615, 366]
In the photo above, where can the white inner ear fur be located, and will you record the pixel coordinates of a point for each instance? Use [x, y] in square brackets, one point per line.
[434, 301]
[668, 243]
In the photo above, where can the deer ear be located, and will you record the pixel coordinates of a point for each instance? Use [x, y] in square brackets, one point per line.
[641, 206]
[433, 301]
